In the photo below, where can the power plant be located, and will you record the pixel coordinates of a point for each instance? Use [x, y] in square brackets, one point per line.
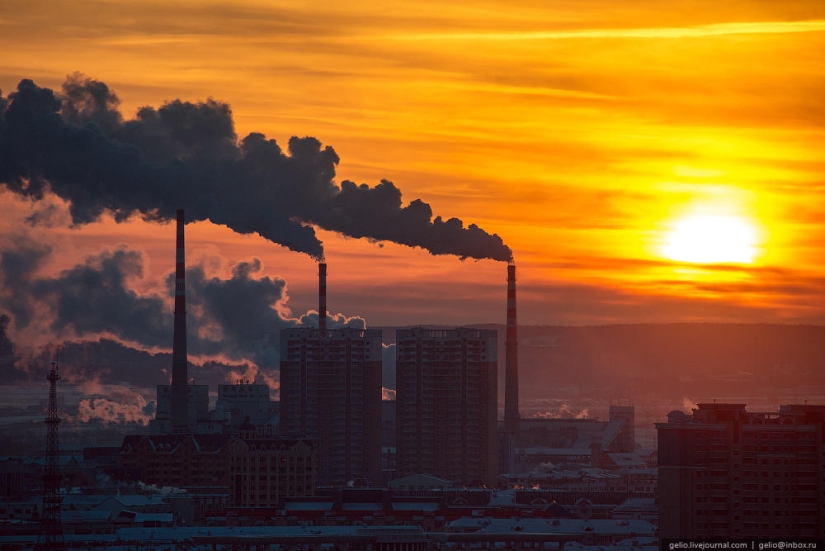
[446, 416]
[324, 440]
[331, 392]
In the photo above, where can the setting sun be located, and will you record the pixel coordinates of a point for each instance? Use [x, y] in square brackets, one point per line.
[708, 239]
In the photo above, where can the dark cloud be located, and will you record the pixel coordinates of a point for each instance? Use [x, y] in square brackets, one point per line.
[187, 155]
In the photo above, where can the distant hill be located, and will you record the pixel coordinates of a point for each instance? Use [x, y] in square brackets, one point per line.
[665, 360]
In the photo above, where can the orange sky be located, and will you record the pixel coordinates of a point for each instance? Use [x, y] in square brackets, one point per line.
[578, 131]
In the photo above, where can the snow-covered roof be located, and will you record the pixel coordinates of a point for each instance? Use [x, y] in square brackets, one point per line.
[362, 506]
[637, 505]
[566, 526]
[627, 460]
[420, 480]
[308, 505]
[414, 506]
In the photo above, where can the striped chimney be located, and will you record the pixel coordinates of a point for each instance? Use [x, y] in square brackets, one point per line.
[180, 378]
[511, 413]
[322, 297]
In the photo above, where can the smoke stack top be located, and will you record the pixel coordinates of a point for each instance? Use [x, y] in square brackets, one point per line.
[322, 297]
[77, 145]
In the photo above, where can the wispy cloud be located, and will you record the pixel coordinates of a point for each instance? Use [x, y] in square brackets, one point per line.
[698, 31]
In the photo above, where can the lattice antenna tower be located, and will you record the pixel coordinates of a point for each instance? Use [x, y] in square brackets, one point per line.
[51, 527]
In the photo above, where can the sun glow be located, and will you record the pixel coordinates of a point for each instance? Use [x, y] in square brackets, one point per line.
[711, 239]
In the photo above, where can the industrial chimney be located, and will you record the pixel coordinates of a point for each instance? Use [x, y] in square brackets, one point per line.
[511, 414]
[322, 297]
[180, 379]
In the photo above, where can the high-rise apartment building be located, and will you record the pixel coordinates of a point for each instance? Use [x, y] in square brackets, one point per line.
[331, 393]
[446, 382]
[725, 472]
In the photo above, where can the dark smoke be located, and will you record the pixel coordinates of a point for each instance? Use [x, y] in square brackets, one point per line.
[17, 264]
[8, 357]
[243, 309]
[94, 297]
[89, 299]
[188, 155]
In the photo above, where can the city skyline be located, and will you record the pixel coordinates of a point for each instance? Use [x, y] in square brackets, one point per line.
[335, 355]
[591, 141]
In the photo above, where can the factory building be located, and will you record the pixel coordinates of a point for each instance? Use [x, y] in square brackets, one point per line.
[197, 413]
[183, 408]
[561, 441]
[245, 400]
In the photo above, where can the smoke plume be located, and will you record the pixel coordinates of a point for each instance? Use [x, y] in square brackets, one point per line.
[115, 412]
[234, 321]
[77, 145]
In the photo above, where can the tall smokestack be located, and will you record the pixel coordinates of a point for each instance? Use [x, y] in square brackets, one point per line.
[511, 414]
[180, 378]
[322, 297]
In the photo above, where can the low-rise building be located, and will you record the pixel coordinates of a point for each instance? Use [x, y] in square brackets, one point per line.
[264, 469]
[176, 460]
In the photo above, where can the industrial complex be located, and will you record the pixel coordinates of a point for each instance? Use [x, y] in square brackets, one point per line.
[332, 466]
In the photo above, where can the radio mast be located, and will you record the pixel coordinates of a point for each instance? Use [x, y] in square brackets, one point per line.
[51, 527]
